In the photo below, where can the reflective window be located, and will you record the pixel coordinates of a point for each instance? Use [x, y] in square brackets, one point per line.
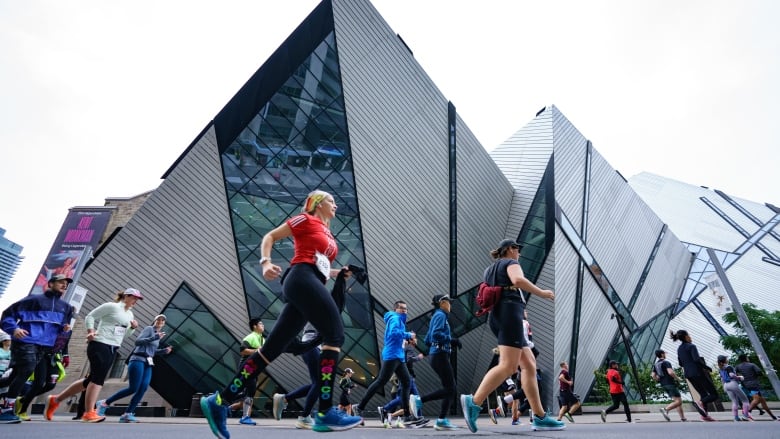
[297, 143]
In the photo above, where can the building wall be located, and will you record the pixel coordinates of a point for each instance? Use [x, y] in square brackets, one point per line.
[180, 234]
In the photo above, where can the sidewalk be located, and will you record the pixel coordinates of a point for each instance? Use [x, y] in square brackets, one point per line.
[588, 417]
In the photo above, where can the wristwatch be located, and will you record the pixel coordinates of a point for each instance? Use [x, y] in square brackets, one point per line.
[264, 259]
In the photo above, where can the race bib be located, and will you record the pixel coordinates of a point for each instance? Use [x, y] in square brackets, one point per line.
[120, 331]
[323, 264]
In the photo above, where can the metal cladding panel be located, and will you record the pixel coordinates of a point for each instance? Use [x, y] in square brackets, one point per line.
[622, 230]
[473, 361]
[597, 331]
[679, 206]
[702, 335]
[541, 316]
[182, 227]
[523, 159]
[566, 269]
[570, 157]
[755, 281]
[664, 281]
[397, 122]
[484, 198]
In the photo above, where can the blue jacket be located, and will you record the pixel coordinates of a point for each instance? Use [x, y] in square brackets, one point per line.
[395, 334]
[438, 337]
[43, 316]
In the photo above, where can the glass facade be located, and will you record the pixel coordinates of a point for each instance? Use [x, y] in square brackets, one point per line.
[297, 143]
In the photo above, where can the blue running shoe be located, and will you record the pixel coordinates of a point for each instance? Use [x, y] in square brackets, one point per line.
[246, 420]
[216, 414]
[547, 423]
[470, 411]
[102, 407]
[335, 420]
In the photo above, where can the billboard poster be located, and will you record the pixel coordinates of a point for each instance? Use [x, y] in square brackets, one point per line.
[79, 234]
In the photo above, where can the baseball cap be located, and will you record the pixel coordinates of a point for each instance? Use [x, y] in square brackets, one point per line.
[437, 299]
[57, 277]
[723, 359]
[134, 292]
[348, 370]
[612, 363]
[160, 316]
[509, 243]
[4, 336]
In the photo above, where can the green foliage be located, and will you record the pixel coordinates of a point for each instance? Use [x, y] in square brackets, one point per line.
[767, 327]
[653, 391]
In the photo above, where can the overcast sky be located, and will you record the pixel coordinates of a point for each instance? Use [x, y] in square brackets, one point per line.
[98, 98]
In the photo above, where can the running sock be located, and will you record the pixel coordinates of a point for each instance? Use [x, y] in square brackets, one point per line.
[251, 368]
[328, 360]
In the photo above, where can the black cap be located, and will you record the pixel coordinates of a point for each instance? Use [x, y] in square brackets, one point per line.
[57, 277]
[509, 243]
[723, 359]
[612, 363]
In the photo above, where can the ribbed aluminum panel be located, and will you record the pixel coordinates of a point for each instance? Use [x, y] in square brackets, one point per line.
[523, 159]
[397, 121]
[704, 337]
[678, 205]
[570, 149]
[664, 281]
[481, 201]
[168, 241]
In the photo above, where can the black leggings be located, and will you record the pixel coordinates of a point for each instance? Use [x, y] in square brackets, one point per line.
[42, 382]
[385, 373]
[706, 389]
[440, 363]
[307, 301]
[618, 398]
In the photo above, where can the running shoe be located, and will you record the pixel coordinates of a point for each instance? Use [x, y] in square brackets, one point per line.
[21, 414]
[304, 422]
[708, 418]
[500, 407]
[547, 423]
[516, 422]
[335, 420]
[92, 417]
[569, 417]
[51, 406]
[382, 414]
[700, 408]
[603, 416]
[102, 407]
[128, 418]
[279, 405]
[665, 413]
[413, 421]
[444, 424]
[399, 423]
[747, 418]
[7, 416]
[470, 411]
[246, 420]
[493, 415]
[415, 405]
[216, 415]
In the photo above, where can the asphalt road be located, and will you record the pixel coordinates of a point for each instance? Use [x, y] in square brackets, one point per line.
[586, 426]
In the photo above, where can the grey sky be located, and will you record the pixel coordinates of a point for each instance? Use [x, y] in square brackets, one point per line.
[98, 98]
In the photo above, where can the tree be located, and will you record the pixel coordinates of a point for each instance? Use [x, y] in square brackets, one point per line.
[767, 327]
